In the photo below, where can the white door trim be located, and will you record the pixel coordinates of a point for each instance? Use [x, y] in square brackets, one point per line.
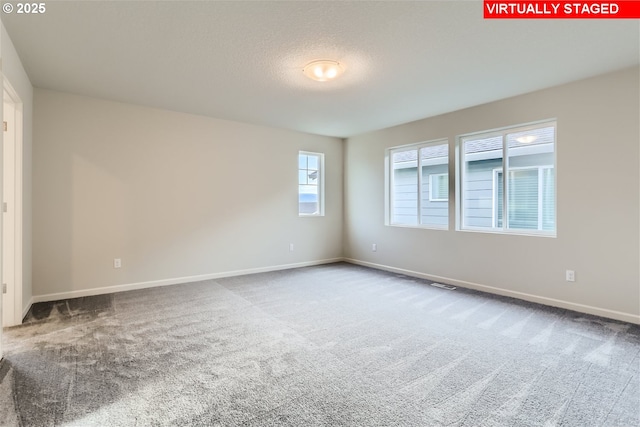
[14, 99]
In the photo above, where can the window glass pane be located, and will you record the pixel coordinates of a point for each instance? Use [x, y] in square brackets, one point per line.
[310, 184]
[420, 185]
[405, 187]
[434, 205]
[302, 177]
[438, 187]
[435, 154]
[531, 152]
[529, 197]
[523, 199]
[313, 162]
[482, 155]
[308, 200]
[548, 199]
[542, 138]
[443, 187]
[302, 161]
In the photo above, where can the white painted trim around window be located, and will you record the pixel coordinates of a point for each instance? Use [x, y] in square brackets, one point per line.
[460, 165]
[320, 184]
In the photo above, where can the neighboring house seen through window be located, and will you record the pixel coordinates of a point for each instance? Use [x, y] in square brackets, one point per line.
[419, 185]
[528, 155]
[310, 184]
[439, 187]
[533, 198]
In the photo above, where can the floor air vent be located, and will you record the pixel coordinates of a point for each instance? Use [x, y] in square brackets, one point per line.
[443, 286]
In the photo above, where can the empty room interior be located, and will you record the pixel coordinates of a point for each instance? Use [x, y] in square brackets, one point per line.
[318, 213]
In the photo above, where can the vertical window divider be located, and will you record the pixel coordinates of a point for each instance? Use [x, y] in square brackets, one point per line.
[540, 196]
[419, 204]
[460, 167]
[388, 166]
[505, 182]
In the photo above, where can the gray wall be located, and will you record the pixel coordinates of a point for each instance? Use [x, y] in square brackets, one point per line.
[177, 195]
[172, 194]
[597, 154]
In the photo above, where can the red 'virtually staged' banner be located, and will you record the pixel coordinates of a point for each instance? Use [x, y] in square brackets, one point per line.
[629, 9]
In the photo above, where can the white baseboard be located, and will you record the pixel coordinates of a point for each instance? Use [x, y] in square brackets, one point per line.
[597, 311]
[172, 281]
[26, 309]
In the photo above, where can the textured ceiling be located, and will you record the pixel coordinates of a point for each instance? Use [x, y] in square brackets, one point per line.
[243, 60]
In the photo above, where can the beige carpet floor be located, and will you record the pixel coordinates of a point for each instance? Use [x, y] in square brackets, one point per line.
[333, 345]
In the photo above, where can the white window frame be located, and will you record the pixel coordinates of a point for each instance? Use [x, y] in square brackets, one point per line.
[461, 179]
[320, 156]
[389, 194]
[494, 194]
[431, 178]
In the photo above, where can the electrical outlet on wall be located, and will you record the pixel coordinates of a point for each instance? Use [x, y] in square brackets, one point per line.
[374, 247]
[290, 247]
[117, 263]
[571, 276]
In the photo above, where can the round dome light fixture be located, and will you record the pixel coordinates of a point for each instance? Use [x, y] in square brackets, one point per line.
[323, 70]
[526, 139]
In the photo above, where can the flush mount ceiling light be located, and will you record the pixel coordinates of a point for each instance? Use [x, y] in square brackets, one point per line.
[323, 70]
[526, 139]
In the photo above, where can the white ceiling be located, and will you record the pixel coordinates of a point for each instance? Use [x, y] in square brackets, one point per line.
[243, 60]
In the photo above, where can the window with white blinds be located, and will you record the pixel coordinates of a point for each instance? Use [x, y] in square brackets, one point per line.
[527, 153]
[419, 185]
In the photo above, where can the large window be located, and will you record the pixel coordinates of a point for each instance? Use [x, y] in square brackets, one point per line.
[419, 185]
[310, 184]
[527, 153]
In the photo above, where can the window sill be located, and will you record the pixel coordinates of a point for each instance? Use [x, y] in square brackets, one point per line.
[528, 233]
[421, 226]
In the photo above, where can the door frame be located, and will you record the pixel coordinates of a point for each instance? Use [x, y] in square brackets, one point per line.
[17, 161]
